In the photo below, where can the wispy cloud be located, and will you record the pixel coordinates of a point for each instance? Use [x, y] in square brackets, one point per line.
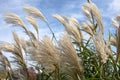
[114, 6]
[72, 8]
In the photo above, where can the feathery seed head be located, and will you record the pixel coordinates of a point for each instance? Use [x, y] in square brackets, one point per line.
[32, 11]
[98, 42]
[87, 28]
[92, 8]
[113, 41]
[71, 25]
[87, 13]
[31, 35]
[33, 22]
[23, 43]
[48, 47]
[59, 18]
[13, 19]
[7, 47]
[46, 54]
[118, 17]
[115, 23]
[75, 21]
[73, 30]
[69, 57]
[17, 40]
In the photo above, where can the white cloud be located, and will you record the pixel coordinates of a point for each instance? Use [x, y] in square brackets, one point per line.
[70, 9]
[16, 7]
[114, 6]
[77, 15]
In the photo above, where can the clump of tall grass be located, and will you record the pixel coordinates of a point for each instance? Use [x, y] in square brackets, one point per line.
[69, 58]
[70, 61]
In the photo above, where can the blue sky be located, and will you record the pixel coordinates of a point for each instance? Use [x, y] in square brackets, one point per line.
[108, 8]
